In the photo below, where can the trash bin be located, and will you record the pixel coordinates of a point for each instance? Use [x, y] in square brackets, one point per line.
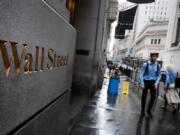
[113, 86]
[111, 99]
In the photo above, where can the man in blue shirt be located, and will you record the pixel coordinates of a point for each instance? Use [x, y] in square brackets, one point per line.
[150, 76]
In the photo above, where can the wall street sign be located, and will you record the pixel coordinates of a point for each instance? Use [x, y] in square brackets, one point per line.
[55, 61]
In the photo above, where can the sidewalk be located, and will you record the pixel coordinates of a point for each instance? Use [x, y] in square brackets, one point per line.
[120, 115]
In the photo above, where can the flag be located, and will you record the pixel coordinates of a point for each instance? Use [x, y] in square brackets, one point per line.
[125, 22]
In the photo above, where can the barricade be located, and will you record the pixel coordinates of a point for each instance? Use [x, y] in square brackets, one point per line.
[133, 71]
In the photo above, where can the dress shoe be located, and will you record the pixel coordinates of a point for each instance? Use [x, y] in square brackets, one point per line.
[143, 113]
[149, 113]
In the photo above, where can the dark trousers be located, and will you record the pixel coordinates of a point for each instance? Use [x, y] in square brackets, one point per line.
[149, 85]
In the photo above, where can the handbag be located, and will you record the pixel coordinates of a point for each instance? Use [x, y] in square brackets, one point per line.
[172, 86]
[172, 96]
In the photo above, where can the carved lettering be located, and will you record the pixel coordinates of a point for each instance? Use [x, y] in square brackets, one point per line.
[15, 58]
[61, 60]
[28, 65]
[42, 59]
[66, 60]
[58, 61]
[54, 60]
[50, 66]
[54, 63]
[37, 59]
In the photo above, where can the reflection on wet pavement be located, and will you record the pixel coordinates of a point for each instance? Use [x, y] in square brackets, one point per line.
[120, 115]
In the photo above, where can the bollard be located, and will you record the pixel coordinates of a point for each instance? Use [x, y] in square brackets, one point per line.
[125, 88]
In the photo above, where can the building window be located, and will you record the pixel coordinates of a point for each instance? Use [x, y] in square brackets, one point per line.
[151, 41]
[178, 31]
[159, 41]
[155, 41]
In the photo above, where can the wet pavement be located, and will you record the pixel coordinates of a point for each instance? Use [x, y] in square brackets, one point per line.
[120, 115]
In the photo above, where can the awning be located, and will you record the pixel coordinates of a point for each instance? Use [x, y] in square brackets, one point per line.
[141, 1]
[125, 22]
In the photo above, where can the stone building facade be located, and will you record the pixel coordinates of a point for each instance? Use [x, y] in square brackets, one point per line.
[42, 44]
[151, 39]
[156, 11]
[172, 51]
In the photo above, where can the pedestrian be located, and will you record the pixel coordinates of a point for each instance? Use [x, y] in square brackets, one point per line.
[169, 85]
[150, 76]
[110, 68]
[113, 67]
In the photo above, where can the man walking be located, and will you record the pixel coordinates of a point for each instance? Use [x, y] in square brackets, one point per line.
[150, 76]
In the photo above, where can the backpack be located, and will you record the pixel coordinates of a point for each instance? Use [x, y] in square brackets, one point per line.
[147, 68]
[163, 77]
[177, 82]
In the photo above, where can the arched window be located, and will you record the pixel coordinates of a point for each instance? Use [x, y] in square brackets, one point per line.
[155, 41]
[151, 41]
[159, 41]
